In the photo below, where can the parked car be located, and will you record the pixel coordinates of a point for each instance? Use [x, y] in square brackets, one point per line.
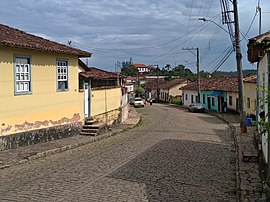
[131, 101]
[138, 102]
[196, 107]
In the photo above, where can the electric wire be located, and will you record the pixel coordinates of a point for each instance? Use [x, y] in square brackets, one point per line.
[177, 45]
[189, 17]
[196, 22]
[216, 60]
[253, 19]
[224, 59]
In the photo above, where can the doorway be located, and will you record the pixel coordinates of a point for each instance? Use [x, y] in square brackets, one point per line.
[86, 100]
[209, 103]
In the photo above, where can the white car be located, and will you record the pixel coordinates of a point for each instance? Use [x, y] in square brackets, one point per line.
[138, 102]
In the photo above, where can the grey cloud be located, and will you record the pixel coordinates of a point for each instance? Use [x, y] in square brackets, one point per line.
[119, 24]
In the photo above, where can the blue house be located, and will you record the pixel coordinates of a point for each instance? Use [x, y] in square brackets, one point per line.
[214, 92]
[214, 100]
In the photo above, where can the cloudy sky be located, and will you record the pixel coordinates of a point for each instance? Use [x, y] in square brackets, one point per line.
[149, 31]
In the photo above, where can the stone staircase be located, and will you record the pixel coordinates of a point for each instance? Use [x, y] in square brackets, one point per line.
[92, 128]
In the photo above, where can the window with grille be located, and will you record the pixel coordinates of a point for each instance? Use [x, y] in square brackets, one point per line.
[62, 75]
[22, 75]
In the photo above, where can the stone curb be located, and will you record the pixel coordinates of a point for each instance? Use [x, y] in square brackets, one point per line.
[236, 146]
[73, 146]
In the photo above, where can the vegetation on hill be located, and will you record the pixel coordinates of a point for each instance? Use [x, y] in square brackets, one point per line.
[181, 71]
[130, 70]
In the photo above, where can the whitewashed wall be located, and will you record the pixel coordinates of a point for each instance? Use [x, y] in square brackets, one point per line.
[188, 101]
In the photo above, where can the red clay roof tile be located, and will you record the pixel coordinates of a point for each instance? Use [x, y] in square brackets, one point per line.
[12, 37]
[250, 79]
[96, 73]
[172, 83]
[229, 84]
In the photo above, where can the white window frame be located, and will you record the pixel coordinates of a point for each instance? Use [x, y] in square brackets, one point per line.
[62, 75]
[22, 75]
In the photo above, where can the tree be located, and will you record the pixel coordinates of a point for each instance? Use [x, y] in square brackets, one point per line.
[130, 70]
[167, 67]
[139, 91]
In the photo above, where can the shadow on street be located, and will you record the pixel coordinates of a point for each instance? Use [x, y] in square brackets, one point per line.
[176, 170]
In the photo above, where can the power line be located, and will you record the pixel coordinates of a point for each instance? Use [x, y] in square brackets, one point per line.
[251, 22]
[219, 58]
[189, 16]
[176, 46]
[228, 54]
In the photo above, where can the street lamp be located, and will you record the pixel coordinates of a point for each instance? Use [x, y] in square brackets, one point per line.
[207, 20]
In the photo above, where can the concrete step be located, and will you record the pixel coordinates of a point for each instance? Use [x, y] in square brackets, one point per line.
[93, 129]
[90, 121]
[98, 125]
[88, 134]
[90, 130]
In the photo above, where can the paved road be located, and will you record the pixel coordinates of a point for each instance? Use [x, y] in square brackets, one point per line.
[172, 155]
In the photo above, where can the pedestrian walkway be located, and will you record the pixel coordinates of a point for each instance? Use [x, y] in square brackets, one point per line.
[249, 184]
[20, 155]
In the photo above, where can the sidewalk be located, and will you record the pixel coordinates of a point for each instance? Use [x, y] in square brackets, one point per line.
[249, 184]
[20, 155]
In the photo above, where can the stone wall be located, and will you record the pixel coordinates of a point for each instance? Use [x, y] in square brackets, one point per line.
[40, 135]
[111, 117]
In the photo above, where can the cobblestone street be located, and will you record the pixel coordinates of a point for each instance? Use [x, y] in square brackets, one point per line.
[172, 155]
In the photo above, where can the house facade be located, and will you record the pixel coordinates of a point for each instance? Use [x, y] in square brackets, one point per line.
[250, 92]
[172, 89]
[258, 51]
[40, 99]
[104, 99]
[213, 93]
[142, 68]
[233, 101]
[214, 100]
[189, 96]
[152, 87]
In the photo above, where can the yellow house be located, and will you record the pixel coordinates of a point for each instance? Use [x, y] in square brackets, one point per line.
[250, 92]
[40, 99]
[103, 95]
[172, 89]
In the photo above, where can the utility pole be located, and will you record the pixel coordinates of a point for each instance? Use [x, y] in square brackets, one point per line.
[239, 70]
[258, 9]
[198, 69]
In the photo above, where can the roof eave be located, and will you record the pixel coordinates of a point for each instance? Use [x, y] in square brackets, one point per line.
[80, 54]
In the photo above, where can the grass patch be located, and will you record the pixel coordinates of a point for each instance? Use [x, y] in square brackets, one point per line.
[176, 101]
